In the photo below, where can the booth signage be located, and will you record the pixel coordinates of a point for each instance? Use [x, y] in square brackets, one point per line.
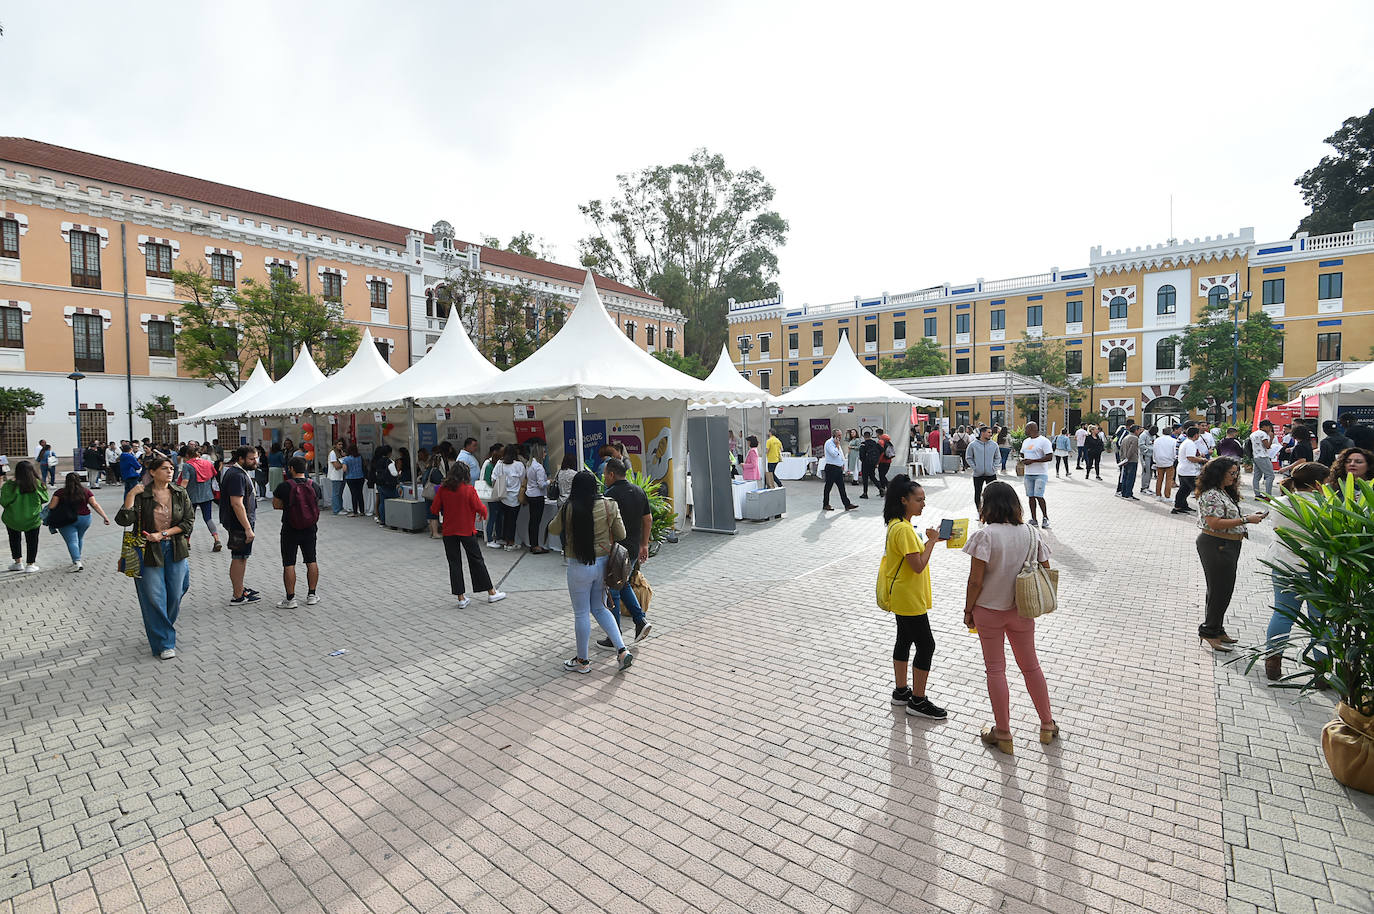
[377, 417]
[524, 411]
[441, 414]
[775, 410]
[844, 409]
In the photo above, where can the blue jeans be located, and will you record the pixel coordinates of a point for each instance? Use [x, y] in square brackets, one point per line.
[587, 589]
[627, 594]
[159, 597]
[1126, 485]
[74, 534]
[1280, 625]
[383, 493]
[495, 520]
[1005, 451]
[129, 483]
[336, 487]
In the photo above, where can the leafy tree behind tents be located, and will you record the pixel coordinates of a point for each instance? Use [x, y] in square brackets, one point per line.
[695, 234]
[1340, 188]
[224, 329]
[1207, 349]
[687, 364]
[19, 399]
[1043, 359]
[506, 321]
[926, 359]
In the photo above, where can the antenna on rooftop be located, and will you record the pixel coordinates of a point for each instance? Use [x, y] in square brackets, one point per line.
[1172, 239]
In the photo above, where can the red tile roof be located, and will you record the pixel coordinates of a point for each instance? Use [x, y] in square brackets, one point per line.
[22, 151]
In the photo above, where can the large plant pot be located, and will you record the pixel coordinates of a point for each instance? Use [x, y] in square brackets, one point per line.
[1348, 742]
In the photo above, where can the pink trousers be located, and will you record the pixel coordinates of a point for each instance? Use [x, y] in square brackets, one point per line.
[994, 627]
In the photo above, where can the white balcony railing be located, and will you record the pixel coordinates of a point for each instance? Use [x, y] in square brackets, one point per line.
[997, 335]
[1170, 375]
[961, 337]
[1338, 240]
[1074, 328]
[817, 350]
[1116, 377]
[1277, 372]
[1074, 377]
[792, 353]
[1035, 332]
[1330, 305]
[1019, 282]
[1166, 320]
[899, 344]
[870, 347]
[1117, 323]
[1274, 310]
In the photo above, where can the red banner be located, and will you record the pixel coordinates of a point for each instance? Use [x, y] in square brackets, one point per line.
[1261, 402]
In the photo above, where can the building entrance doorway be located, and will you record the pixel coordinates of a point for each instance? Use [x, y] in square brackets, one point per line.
[1162, 412]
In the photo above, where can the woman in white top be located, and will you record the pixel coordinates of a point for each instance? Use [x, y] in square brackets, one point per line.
[511, 483]
[999, 550]
[536, 490]
[1305, 481]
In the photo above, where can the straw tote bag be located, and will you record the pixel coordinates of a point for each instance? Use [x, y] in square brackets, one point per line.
[1036, 586]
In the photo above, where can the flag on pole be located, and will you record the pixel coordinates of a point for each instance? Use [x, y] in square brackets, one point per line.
[1261, 402]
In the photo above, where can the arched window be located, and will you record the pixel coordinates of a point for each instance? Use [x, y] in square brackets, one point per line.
[1166, 354]
[1218, 297]
[1116, 359]
[1116, 417]
[1117, 307]
[1166, 300]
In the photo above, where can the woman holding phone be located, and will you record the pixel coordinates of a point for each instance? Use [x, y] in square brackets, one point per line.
[904, 590]
[1222, 529]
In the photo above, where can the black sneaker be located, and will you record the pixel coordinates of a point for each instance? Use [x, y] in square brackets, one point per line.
[922, 707]
[901, 696]
[249, 596]
[642, 631]
[606, 643]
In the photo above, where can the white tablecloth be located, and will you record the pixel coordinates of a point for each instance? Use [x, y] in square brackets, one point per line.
[738, 489]
[795, 467]
[927, 459]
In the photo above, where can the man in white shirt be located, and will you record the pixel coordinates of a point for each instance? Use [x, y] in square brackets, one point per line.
[1260, 443]
[1208, 440]
[1080, 438]
[834, 473]
[1165, 456]
[1036, 453]
[1192, 454]
[335, 473]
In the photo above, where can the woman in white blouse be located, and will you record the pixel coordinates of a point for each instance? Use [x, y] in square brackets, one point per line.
[536, 490]
[512, 472]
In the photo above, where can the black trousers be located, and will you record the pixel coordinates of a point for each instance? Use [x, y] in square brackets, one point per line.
[1058, 458]
[834, 476]
[914, 630]
[536, 525]
[867, 475]
[1093, 463]
[1219, 560]
[882, 476]
[1185, 488]
[454, 547]
[29, 538]
[978, 483]
[355, 494]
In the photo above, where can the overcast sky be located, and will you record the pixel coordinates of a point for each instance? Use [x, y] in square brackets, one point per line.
[910, 143]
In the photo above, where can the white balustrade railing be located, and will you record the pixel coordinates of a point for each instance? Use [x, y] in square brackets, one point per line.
[1019, 282]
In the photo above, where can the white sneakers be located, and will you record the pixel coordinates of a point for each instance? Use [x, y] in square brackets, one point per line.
[17, 566]
[496, 544]
[31, 569]
[496, 597]
[167, 654]
[287, 603]
[464, 603]
[77, 565]
[311, 599]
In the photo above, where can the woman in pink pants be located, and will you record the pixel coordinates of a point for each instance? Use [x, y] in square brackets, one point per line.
[999, 550]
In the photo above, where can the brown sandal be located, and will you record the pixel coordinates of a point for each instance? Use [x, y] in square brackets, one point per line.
[989, 736]
[1049, 734]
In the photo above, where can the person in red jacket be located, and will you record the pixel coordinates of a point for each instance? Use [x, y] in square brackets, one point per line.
[458, 506]
[888, 452]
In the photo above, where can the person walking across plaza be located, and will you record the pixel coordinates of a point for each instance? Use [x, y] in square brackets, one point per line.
[163, 514]
[47, 463]
[69, 513]
[276, 466]
[1230, 445]
[130, 469]
[1222, 528]
[903, 589]
[1261, 442]
[1165, 457]
[638, 519]
[1191, 459]
[772, 449]
[238, 515]
[1093, 445]
[1036, 453]
[834, 474]
[21, 511]
[300, 530]
[458, 506]
[1062, 444]
[851, 449]
[355, 474]
[869, 451]
[335, 473]
[111, 464]
[1080, 438]
[197, 477]
[1147, 459]
[885, 458]
[983, 456]
[589, 525]
[1304, 484]
[536, 494]
[998, 551]
[1127, 460]
[1004, 445]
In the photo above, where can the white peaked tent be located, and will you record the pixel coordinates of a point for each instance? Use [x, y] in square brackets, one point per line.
[233, 406]
[1354, 389]
[363, 372]
[301, 378]
[845, 382]
[726, 377]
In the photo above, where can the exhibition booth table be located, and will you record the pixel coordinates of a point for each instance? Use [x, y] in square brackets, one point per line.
[796, 467]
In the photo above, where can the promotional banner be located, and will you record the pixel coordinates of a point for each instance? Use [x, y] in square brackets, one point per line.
[593, 439]
[367, 436]
[787, 431]
[428, 435]
[526, 429]
[490, 434]
[630, 432]
[820, 434]
[458, 432]
[658, 453]
[1262, 401]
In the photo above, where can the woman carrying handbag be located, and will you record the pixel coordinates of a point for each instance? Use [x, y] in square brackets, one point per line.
[1000, 551]
[162, 515]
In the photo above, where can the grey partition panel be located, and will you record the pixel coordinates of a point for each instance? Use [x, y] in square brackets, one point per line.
[708, 441]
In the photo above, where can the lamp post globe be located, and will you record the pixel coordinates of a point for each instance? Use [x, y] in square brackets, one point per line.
[76, 378]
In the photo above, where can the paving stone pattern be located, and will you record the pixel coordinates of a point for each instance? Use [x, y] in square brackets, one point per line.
[750, 760]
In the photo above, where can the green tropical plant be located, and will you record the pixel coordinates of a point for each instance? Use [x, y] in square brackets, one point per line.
[660, 506]
[1333, 541]
[1018, 437]
[156, 408]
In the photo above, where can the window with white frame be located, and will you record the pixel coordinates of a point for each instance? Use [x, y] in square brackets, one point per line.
[85, 260]
[222, 269]
[162, 339]
[9, 238]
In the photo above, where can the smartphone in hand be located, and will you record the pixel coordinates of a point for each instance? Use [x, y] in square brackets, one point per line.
[946, 529]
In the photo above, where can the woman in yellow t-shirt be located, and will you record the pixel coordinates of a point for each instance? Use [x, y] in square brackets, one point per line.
[904, 589]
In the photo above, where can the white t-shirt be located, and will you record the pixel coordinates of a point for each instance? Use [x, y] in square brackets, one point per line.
[1004, 548]
[1081, 436]
[1259, 442]
[1210, 441]
[335, 475]
[1190, 448]
[1034, 449]
[1166, 452]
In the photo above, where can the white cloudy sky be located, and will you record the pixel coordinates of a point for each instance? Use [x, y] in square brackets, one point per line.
[909, 143]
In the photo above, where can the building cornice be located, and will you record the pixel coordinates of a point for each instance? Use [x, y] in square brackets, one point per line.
[1172, 253]
[1316, 247]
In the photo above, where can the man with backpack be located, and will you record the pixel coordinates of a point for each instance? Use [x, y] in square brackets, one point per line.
[869, 452]
[299, 505]
[889, 454]
[238, 513]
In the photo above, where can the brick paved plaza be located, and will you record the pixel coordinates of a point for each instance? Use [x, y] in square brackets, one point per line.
[750, 760]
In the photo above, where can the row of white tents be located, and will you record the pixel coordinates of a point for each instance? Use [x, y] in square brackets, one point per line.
[588, 369]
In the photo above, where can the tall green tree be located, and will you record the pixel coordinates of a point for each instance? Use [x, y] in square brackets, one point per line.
[225, 329]
[687, 364]
[1043, 359]
[1340, 188]
[523, 243]
[695, 234]
[1208, 349]
[506, 321]
[19, 399]
[926, 359]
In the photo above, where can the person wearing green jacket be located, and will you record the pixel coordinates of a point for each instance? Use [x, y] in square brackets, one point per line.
[21, 510]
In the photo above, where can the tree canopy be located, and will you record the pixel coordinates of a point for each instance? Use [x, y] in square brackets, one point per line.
[687, 364]
[926, 359]
[507, 322]
[1208, 349]
[524, 243]
[1340, 188]
[19, 399]
[695, 234]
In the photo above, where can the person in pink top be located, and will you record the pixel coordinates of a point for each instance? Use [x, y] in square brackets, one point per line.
[753, 465]
[999, 550]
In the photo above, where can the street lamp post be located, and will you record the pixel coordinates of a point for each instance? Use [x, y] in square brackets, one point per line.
[76, 378]
[744, 348]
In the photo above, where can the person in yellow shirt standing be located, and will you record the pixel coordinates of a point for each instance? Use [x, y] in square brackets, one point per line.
[772, 456]
[903, 589]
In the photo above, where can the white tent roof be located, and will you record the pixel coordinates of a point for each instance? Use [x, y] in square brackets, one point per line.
[726, 377]
[363, 372]
[588, 358]
[1359, 380]
[452, 366]
[844, 381]
[301, 378]
[232, 406]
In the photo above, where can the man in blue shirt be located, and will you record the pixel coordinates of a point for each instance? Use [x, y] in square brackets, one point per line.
[130, 470]
[834, 473]
[468, 456]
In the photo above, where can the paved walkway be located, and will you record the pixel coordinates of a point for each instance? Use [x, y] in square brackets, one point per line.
[749, 761]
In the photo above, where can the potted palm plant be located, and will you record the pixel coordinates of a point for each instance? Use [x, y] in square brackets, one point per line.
[1018, 437]
[1333, 539]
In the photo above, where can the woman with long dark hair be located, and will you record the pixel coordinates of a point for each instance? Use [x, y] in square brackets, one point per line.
[536, 493]
[434, 474]
[1304, 483]
[590, 525]
[495, 514]
[163, 513]
[75, 501]
[355, 474]
[998, 551]
[457, 503]
[904, 586]
[21, 510]
[510, 472]
[1221, 528]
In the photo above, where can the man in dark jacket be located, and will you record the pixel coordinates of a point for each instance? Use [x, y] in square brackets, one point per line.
[869, 452]
[1361, 435]
[639, 524]
[1333, 442]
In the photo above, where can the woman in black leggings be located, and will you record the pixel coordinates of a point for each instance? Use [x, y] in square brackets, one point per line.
[904, 590]
[1092, 453]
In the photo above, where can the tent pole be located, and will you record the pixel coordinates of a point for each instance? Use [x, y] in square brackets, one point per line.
[414, 454]
[577, 430]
